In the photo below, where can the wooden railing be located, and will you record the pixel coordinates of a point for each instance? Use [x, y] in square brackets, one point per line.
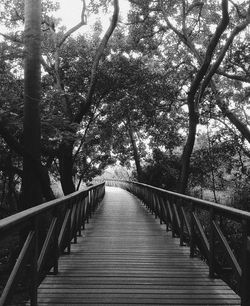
[42, 234]
[217, 233]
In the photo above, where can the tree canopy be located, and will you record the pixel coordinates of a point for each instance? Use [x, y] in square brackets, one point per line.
[163, 93]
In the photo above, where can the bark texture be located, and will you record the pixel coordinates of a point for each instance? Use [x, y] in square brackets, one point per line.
[31, 187]
[66, 167]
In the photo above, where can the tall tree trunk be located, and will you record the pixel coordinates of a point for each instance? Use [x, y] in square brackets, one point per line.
[66, 167]
[31, 187]
[211, 162]
[135, 152]
[188, 148]
[204, 73]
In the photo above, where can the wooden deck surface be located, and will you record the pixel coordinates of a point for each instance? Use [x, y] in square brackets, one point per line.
[125, 257]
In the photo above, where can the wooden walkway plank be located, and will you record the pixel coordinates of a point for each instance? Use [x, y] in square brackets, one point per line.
[126, 258]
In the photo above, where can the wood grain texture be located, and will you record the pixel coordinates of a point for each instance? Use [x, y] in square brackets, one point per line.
[125, 257]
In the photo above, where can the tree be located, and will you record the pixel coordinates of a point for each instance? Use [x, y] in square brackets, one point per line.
[203, 78]
[31, 187]
[13, 54]
[74, 116]
[71, 120]
[193, 25]
[137, 96]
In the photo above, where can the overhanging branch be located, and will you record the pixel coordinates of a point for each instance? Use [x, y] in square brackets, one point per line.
[242, 78]
[76, 27]
[211, 47]
[221, 56]
[85, 105]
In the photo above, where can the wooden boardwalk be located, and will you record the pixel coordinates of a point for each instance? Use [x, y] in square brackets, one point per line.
[126, 258]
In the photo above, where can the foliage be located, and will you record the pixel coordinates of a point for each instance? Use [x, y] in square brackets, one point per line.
[162, 170]
[138, 113]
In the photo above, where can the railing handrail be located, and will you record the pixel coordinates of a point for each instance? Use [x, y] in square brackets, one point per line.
[43, 233]
[236, 213]
[217, 233]
[26, 214]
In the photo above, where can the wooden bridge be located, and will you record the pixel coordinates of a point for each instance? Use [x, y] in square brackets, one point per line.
[125, 255]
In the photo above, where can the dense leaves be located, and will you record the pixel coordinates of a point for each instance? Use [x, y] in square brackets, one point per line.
[140, 114]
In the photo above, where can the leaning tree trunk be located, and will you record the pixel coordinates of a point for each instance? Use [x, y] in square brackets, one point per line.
[66, 167]
[66, 160]
[204, 73]
[31, 187]
[188, 148]
[135, 152]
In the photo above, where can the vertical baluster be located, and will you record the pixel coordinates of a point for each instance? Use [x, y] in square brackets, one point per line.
[160, 204]
[211, 243]
[34, 259]
[79, 218]
[68, 230]
[171, 213]
[74, 221]
[182, 223]
[192, 236]
[84, 206]
[145, 196]
[245, 278]
[94, 202]
[149, 201]
[89, 204]
[56, 241]
[154, 201]
[167, 212]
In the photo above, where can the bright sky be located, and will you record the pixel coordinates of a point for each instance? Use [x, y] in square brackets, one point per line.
[70, 12]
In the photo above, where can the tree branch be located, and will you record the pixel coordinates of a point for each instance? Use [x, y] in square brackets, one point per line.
[76, 27]
[240, 14]
[46, 67]
[221, 56]
[211, 47]
[12, 38]
[242, 127]
[194, 5]
[84, 107]
[242, 78]
[245, 132]
[182, 37]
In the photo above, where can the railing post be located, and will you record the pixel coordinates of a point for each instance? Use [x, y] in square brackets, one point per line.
[154, 201]
[192, 232]
[56, 241]
[85, 200]
[211, 243]
[167, 213]
[160, 204]
[34, 259]
[74, 221]
[79, 217]
[90, 203]
[174, 220]
[70, 207]
[182, 224]
[245, 278]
